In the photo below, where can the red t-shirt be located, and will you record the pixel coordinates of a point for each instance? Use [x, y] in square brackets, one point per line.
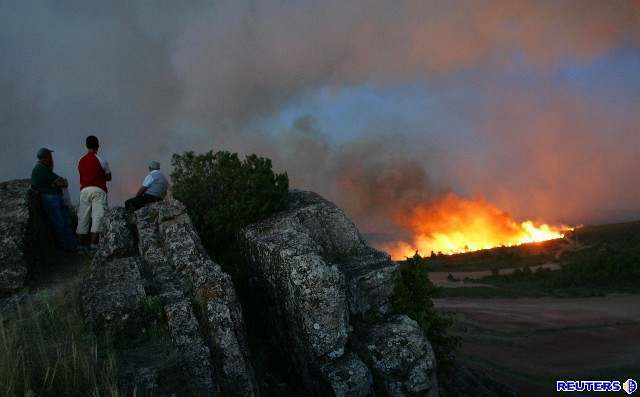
[91, 172]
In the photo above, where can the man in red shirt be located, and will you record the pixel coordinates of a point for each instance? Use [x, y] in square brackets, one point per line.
[94, 175]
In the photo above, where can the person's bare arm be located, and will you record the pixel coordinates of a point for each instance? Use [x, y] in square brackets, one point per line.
[141, 191]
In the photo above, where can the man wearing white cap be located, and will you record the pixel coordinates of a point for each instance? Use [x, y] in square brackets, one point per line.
[154, 187]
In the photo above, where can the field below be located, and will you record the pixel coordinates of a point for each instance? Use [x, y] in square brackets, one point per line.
[563, 309]
[529, 343]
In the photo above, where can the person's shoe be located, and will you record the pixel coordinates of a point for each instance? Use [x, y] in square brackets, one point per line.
[84, 249]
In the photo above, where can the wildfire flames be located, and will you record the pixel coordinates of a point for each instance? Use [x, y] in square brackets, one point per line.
[453, 225]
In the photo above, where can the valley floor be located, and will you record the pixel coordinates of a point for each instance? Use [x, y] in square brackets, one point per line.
[529, 343]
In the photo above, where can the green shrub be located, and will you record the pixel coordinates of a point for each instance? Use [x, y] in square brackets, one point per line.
[600, 267]
[223, 193]
[595, 269]
[48, 350]
[413, 297]
[152, 307]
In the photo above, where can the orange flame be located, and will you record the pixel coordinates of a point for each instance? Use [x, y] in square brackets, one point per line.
[453, 225]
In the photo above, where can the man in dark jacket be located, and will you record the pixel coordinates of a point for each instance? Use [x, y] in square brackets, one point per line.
[49, 185]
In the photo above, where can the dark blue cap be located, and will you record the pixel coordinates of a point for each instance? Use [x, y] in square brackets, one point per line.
[43, 153]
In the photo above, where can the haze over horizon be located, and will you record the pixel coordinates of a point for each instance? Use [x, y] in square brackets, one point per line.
[377, 105]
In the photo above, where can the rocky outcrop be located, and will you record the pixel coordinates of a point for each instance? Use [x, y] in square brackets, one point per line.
[325, 295]
[156, 253]
[323, 282]
[172, 250]
[25, 238]
[401, 359]
[113, 294]
[116, 237]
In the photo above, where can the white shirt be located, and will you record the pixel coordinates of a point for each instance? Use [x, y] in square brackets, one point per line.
[104, 164]
[156, 184]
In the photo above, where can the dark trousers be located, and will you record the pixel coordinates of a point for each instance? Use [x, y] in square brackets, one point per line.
[140, 201]
[57, 214]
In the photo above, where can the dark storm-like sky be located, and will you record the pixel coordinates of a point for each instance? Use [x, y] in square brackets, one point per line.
[530, 104]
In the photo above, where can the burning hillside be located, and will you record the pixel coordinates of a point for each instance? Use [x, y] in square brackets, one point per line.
[453, 224]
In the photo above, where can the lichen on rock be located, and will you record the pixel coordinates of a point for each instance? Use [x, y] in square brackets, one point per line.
[25, 237]
[113, 293]
[182, 271]
[325, 282]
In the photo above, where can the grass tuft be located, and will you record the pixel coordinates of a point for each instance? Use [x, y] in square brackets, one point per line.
[48, 350]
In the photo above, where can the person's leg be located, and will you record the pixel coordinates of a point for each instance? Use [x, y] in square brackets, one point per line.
[69, 236]
[98, 208]
[151, 199]
[135, 203]
[130, 204]
[148, 199]
[52, 205]
[84, 218]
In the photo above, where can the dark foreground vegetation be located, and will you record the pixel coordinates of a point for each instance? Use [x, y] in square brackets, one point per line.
[224, 194]
[585, 273]
[414, 294]
[47, 349]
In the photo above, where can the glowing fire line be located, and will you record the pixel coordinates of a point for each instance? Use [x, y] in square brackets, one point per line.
[454, 225]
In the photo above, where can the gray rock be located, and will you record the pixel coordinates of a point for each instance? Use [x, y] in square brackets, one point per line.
[185, 333]
[293, 253]
[25, 238]
[310, 292]
[371, 281]
[348, 376]
[316, 267]
[116, 240]
[400, 357]
[183, 270]
[113, 293]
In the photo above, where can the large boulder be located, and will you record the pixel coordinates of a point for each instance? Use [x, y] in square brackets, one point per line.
[323, 281]
[187, 339]
[113, 295]
[183, 272]
[307, 291]
[401, 358]
[25, 238]
[113, 287]
[348, 376]
[185, 330]
[116, 239]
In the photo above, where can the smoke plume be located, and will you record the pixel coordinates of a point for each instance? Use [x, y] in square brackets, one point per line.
[154, 79]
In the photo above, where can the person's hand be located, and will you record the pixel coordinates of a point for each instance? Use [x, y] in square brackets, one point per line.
[61, 182]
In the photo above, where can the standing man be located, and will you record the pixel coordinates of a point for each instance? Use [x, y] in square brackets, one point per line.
[94, 175]
[154, 187]
[49, 187]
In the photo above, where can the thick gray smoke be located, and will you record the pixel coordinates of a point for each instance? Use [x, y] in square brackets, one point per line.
[151, 79]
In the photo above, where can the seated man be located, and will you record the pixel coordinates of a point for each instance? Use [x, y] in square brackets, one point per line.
[49, 186]
[154, 187]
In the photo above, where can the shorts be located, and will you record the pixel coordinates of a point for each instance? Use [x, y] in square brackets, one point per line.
[93, 204]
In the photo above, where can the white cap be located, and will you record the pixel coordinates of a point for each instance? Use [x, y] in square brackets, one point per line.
[154, 165]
